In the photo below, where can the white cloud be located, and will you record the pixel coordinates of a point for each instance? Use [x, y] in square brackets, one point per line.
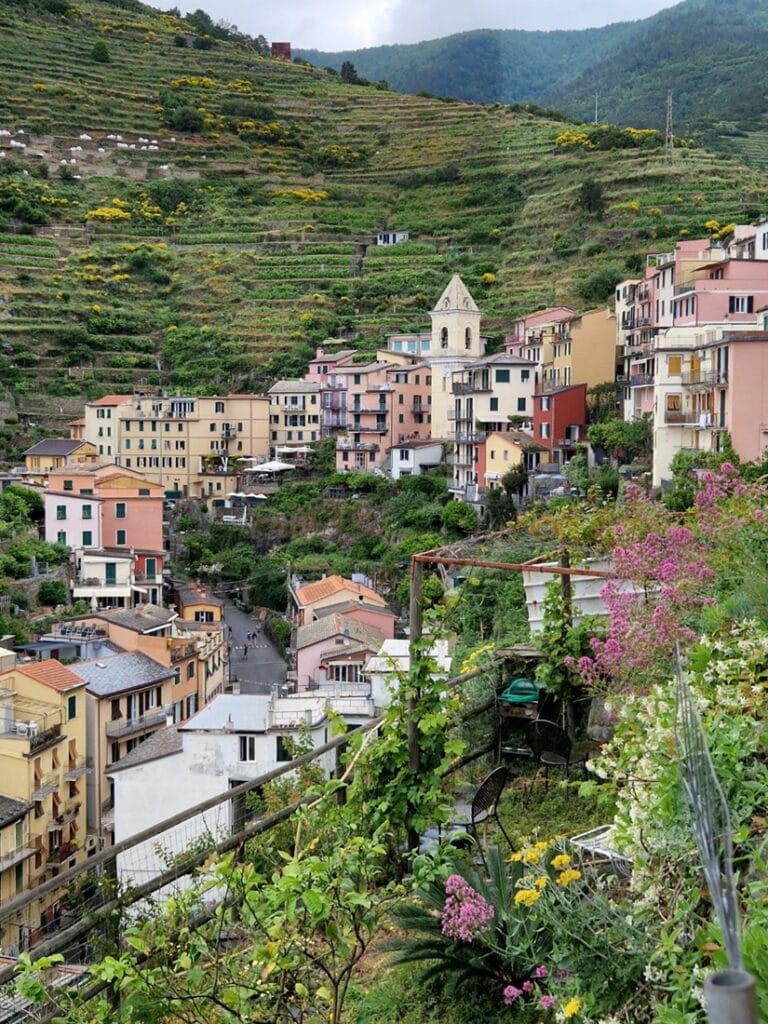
[352, 24]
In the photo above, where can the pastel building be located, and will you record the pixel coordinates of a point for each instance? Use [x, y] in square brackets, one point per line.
[559, 421]
[42, 768]
[294, 414]
[112, 519]
[334, 648]
[190, 445]
[54, 453]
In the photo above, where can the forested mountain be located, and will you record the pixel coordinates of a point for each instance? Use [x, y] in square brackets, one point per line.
[484, 66]
[710, 53]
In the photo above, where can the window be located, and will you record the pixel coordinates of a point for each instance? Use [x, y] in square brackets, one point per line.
[219, 407]
[67, 485]
[87, 511]
[61, 537]
[468, 338]
[61, 511]
[120, 510]
[674, 403]
[248, 748]
[356, 378]
[120, 537]
[71, 707]
[127, 444]
[444, 338]
[502, 376]
[545, 404]
[494, 405]
[404, 455]
[150, 568]
[190, 670]
[525, 375]
[282, 753]
[543, 430]
[521, 405]
[674, 365]
[740, 304]
[87, 538]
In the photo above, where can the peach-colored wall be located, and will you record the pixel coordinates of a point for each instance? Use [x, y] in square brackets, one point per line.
[143, 522]
[385, 623]
[746, 408]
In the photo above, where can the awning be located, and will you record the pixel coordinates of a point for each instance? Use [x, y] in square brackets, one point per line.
[139, 590]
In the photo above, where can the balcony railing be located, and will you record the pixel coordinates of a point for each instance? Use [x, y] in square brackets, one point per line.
[641, 380]
[693, 419]
[360, 428]
[141, 577]
[17, 854]
[58, 854]
[63, 819]
[470, 387]
[568, 442]
[469, 437]
[356, 446]
[76, 768]
[125, 726]
[45, 785]
[704, 379]
[181, 652]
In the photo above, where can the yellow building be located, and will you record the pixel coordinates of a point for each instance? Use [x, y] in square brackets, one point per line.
[582, 350]
[56, 453]
[195, 447]
[42, 766]
[505, 451]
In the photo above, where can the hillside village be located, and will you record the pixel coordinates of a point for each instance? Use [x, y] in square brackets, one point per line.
[382, 513]
[92, 705]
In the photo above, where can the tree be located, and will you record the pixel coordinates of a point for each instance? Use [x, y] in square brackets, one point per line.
[100, 53]
[349, 73]
[185, 119]
[459, 517]
[590, 197]
[624, 440]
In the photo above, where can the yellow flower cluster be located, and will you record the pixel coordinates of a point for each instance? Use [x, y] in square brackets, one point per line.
[108, 214]
[572, 1007]
[527, 897]
[568, 876]
[194, 81]
[570, 139]
[40, 87]
[562, 860]
[239, 85]
[530, 854]
[305, 195]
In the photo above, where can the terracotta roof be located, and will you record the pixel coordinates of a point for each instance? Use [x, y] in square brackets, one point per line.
[331, 585]
[52, 673]
[112, 400]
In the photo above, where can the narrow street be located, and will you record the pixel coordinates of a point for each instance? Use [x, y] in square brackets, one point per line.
[261, 666]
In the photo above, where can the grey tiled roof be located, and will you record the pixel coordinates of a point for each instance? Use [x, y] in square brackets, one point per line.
[120, 673]
[139, 619]
[54, 446]
[337, 625]
[162, 743]
[11, 810]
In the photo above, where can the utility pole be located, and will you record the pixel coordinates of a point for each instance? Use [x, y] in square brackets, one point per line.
[597, 94]
[669, 139]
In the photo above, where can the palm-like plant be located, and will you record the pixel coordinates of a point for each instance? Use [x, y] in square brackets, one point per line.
[505, 952]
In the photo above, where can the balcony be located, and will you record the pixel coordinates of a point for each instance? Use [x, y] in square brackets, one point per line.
[141, 577]
[569, 442]
[356, 446]
[418, 409]
[151, 720]
[228, 430]
[701, 379]
[45, 785]
[17, 854]
[77, 767]
[469, 437]
[681, 289]
[360, 428]
[181, 652]
[470, 388]
[59, 854]
[695, 420]
[63, 819]
[641, 380]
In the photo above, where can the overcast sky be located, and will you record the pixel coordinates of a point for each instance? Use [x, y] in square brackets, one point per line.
[352, 24]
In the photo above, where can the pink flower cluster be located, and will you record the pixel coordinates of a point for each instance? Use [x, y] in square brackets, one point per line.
[512, 993]
[466, 913]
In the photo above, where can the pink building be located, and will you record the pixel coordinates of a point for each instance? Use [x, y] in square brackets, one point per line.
[333, 649]
[726, 291]
[369, 416]
[113, 520]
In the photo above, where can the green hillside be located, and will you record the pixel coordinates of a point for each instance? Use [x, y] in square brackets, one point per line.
[710, 54]
[221, 258]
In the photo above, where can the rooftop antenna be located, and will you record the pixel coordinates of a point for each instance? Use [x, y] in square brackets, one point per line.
[730, 994]
[669, 139]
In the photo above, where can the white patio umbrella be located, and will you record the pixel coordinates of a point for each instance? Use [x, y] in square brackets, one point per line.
[273, 467]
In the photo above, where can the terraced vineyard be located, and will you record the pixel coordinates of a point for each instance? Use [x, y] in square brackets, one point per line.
[135, 252]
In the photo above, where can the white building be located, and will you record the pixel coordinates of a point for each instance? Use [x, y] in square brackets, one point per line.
[412, 458]
[393, 660]
[234, 738]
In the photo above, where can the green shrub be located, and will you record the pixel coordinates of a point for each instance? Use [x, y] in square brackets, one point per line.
[100, 53]
[52, 593]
